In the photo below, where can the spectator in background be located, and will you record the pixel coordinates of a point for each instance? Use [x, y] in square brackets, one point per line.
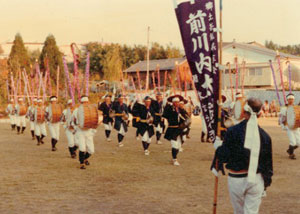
[266, 108]
[273, 108]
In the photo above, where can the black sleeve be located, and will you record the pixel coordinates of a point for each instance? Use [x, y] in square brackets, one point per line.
[166, 111]
[223, 152]
[267, 160]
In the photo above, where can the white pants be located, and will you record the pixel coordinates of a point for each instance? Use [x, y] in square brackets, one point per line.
[204, 128]
[71, 137]
[54, 130]
[245, 197]
[176, 144]
[21, 121]
[159, 129]
[294, 136]
[146, 137]
[108, 127]
[122, 130]
[31, 125]
[86, 140]
[12, 119]
[40, 129]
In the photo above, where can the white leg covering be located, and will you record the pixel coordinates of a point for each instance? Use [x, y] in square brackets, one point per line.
[18, 121]
[122, 131]
[245, 197]
[70, 137]
[54, 130]
[292, 137]
[108, 127]
[23, 121]
[146, 137]
[31, 125]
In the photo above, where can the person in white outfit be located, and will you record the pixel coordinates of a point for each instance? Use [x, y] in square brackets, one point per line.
[21, 110]
[52, 125]
[293, 134]
[69, 129]
[39, 122]
[30, 116]
[10, 110]
[84, 136]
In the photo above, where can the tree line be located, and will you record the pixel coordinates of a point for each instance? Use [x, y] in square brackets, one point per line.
[289, 49]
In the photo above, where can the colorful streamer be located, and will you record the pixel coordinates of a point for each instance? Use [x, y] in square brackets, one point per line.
[87, 73]
[68, 80]
[275, 83]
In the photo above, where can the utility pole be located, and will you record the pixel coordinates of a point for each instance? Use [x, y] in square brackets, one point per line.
[147, 76]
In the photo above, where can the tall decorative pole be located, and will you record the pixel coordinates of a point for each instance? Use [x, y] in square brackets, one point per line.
[281, 76]
[148, 58]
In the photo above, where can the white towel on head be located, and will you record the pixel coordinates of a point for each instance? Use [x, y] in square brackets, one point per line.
[252, 142]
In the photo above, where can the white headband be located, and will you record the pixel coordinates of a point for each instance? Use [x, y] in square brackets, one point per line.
[84, 99]
[11, 100]
[34, 100]
[70, 101]
[290, 96]
[53, 99]
[238, 96]
[20, 99]
[39, 100]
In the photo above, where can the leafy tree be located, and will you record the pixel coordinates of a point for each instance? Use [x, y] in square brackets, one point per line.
[34, 55]
[51, 53]
[18, 57]
[113, 65]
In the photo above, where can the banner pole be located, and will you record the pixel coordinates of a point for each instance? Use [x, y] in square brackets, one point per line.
[219, 106]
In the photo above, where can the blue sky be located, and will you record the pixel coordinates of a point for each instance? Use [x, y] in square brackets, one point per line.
[126, 21]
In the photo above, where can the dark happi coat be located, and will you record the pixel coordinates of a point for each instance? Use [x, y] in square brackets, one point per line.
[119, 109]
[144, 113]
[172, 116]
[105, 108]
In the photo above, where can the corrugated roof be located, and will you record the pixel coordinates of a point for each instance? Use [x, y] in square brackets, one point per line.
[164, 64]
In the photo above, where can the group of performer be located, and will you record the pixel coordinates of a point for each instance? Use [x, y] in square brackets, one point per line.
[149, 117]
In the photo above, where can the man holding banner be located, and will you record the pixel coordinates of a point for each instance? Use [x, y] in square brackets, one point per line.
[197, 22]
[247, 152]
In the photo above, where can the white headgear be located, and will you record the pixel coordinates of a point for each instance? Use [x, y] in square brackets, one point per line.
[53, 99]
[175, 99]
[35, 100]
[238, 95]
[39, 100]
[20, 99]
[70, 101]
[290, 96]
[84, 99]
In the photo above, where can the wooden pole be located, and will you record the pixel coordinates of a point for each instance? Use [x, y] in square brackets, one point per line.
[230, 80]
[243, 75]
[219, 107]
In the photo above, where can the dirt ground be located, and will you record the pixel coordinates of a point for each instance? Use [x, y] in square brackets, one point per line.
[123, 180]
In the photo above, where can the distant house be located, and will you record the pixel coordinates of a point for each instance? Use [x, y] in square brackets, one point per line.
[257, 72]
[171, 66]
